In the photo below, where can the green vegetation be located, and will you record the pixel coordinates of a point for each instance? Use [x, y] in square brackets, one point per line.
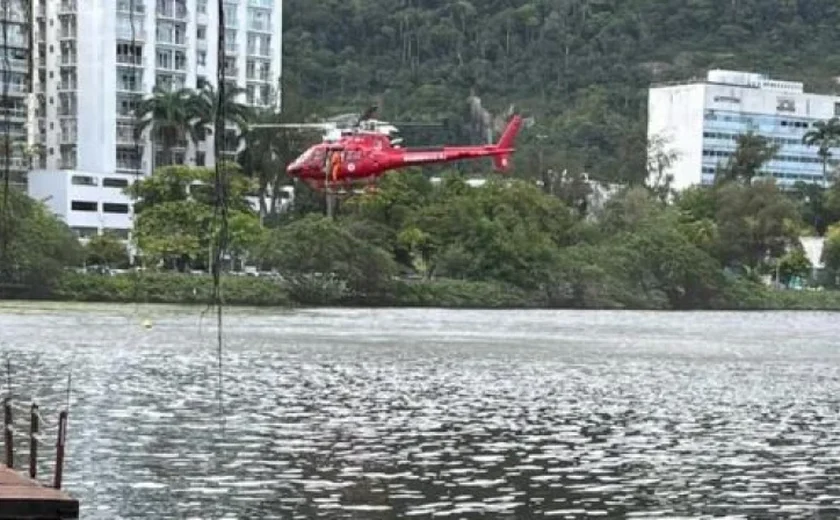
[581, 69]
[506, 244]
[34, 245]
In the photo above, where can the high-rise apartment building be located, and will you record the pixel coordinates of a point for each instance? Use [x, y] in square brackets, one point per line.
[75, 70]
[96, 59]
[701, 120]
[15, 64]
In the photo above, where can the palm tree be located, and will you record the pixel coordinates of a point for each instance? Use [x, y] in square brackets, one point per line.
[267, 152]
[235, 113]
[171, 115]
[826, 135]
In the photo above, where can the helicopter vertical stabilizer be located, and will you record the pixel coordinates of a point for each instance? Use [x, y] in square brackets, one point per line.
[502, 161]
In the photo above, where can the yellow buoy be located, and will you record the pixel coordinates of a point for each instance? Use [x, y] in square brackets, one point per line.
[147, 324]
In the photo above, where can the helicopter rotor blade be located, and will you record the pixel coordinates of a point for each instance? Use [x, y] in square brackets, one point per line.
[298, 126]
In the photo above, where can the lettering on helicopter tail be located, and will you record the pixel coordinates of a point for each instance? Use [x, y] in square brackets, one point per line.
[424, 157]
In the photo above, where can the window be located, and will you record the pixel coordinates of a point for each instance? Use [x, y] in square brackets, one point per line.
[169, 32]
[113, 207]
[125, 5]
[129, 79]
[112, 182]
[170, 81]
[200, 158]
[837, 109]
[258, 69]
[124, 26]
[201, 32]
[259, 45]
[83, 180]
[201, 58]
[230, 15]
[68, 79]
[68, 157]
[201, 6]
[83, 205]
[258, 20]
[126, 104]
[129, 55]
[230, 41]
[68, 131]
[128, 159]
[164, 59]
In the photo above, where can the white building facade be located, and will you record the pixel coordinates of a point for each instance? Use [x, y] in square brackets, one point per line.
[91, 203]
[700, 121]
[101, 57]
[95, 60]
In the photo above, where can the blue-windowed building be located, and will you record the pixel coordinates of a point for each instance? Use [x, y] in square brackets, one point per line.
[701, 120]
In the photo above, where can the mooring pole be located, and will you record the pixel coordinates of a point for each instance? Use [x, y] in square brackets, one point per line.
[34, 427]
[7, 428]
[59, 449]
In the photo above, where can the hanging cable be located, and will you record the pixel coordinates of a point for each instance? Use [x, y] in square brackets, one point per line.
[136, 59]
[220, 213]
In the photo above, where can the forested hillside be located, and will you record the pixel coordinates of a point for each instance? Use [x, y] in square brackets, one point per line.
[580, 67]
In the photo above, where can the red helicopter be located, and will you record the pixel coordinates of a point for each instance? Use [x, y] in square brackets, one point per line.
[361, 154]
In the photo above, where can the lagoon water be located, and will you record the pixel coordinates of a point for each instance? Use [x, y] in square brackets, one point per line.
[385, 414]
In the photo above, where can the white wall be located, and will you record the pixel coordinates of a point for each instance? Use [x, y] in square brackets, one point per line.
[50, 187]
[96, 95]
[56, 189]
[676, 115]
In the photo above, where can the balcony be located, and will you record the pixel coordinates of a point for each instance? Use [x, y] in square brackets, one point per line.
[13, 88]
[130, 61]
[124, 165]
[68, 85]
[125, 136]
[124, 32]
[67, 7]
[68, 137]
[18, 113]
[124, 6]
[168, 10]
[177, 42]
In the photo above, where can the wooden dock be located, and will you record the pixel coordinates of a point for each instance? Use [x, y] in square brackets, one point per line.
[22, 498]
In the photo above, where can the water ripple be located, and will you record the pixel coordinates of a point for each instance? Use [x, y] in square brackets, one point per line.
[441, 414]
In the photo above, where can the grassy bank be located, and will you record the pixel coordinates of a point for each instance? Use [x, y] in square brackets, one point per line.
[173, 288]
[169, 288]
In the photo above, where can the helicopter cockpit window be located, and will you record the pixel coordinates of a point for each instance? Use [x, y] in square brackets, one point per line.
[303, 159]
